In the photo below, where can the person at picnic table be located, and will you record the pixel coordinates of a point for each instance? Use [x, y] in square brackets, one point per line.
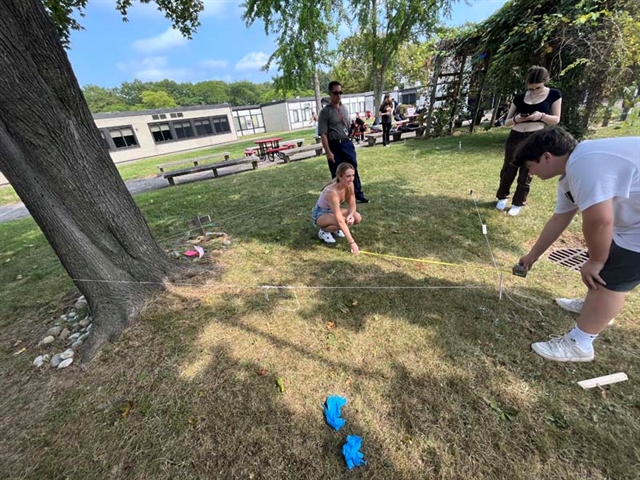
[333, 128]
[386, 111]
[327, 213]
[601, 179]
[362, 127]
[533, 110]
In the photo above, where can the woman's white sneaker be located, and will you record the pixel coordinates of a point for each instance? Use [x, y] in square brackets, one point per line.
[502, 204]
[339, 234]
[514, 210]
[573, 305]
[326, 237]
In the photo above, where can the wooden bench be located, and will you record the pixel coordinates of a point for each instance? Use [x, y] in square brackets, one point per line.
[211, 166]
[195, 161]
[372, 138]
[287, 154]
[397, 135]
[295, 142]
[277, 152]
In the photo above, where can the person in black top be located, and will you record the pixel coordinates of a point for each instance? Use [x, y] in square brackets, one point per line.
[386, 112]
[530, 111]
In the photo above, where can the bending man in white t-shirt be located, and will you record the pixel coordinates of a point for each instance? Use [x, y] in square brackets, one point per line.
[601, 179]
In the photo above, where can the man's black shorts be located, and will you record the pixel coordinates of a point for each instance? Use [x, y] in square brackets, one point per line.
[622, 270]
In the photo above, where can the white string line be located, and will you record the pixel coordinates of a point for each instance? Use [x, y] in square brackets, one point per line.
[486, 237]
[290, 287]
[232, 216]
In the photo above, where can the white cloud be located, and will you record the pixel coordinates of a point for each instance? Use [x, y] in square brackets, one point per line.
[153, 69]
[214, 64]
[252, 61]
[169, 39]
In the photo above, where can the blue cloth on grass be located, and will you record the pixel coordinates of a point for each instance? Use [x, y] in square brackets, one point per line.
[332, 411]
[351, 451]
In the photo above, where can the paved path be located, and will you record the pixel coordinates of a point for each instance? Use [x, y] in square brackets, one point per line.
[15, 211]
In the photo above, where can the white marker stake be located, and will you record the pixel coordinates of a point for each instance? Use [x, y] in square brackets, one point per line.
[602, 381]
[460, 145]
[484, 229]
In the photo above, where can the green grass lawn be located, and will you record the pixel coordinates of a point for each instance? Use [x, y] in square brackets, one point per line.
[440, 379]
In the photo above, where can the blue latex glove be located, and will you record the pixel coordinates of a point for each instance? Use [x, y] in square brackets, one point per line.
[351, 451]
[332, 411]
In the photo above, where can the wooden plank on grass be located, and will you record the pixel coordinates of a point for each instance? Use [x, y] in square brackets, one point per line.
[602, 381]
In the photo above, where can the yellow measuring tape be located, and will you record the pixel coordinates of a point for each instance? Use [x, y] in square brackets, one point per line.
[434, 262]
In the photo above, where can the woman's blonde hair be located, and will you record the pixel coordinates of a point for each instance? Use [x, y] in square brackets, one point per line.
[342, 168]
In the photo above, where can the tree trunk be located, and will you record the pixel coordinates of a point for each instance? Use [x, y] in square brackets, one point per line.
[608, 111]
[52, 154]
[316, 91]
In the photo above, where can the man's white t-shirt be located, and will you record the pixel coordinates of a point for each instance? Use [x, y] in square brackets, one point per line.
[599, 170]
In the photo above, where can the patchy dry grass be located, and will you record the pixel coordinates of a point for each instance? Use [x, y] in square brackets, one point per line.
[440, 381]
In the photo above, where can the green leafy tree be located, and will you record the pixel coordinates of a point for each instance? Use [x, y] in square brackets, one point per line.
[245, 93]
[52, 154]
[211, 92]
[303, 28]
[101, 99]
[157, 99]
[387, 25]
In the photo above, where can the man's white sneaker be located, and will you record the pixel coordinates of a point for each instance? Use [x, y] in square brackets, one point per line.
[514, 210]
[326, 237]
[339, 234]
[573, 305]
[502, 204]
[563, 349]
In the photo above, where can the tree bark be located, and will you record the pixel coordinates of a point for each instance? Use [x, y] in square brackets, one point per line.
[52, 154]
[316, 91]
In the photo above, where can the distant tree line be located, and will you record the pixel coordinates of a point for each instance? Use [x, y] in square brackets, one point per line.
[138, 95]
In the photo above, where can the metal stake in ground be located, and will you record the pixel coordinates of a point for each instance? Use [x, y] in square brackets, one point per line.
[196, 223]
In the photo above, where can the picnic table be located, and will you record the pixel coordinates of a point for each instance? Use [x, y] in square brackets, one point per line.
[267, 144]
[273, 152]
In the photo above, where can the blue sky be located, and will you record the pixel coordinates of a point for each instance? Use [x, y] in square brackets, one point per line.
[109, 51]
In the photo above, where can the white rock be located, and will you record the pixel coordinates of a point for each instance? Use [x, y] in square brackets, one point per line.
[83, 336]
[89, 326]
[63, 317]
[80, 303]
[226, 242]
[47, 340]
[65, 363]
[64, 334]
[84, 323]
[38, 361]
[74, 336]
[68, 353]
[76, 344]
[55, 360]
[55, 331]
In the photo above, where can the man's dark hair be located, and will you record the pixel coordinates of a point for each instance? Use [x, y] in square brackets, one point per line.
[332, 84]
[555, 140]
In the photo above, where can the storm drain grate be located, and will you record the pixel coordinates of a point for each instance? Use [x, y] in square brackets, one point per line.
[572, 258]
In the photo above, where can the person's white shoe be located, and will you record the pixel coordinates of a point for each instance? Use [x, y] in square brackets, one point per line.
[573, 305]
[514, 210]
[339, 234]
[502, 204]
[563, 349]
[326, 237]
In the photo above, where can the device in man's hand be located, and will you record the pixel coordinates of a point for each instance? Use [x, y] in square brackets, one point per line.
[519, 270]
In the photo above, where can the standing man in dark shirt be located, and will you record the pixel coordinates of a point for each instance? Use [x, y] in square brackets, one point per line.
[333, 128]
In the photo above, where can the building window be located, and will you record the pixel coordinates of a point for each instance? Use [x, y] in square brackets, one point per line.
[161, 132]
[236, 120]
[155, 117]
[163, 116]
[123, 137]
[221, 124]
[203, 127]
[174, 115]
[257, 120]
[294, 116]
[180, 115]
[183, 130]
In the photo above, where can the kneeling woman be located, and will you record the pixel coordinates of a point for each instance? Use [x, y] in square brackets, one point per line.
[327, 213]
